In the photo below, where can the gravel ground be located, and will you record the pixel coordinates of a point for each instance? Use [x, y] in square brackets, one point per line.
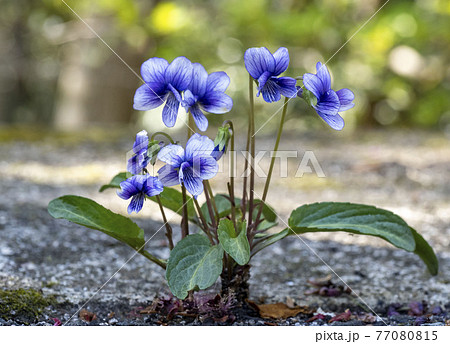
[407, 172]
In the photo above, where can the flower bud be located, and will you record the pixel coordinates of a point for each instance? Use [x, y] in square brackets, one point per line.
[153, 149]
[221, 142]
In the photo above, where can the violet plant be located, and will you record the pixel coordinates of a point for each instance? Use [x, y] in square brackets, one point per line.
[219, 237]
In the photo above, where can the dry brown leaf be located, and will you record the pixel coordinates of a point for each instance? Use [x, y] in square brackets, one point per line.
[148, 310]
[279, 310]
[87, 316]
[290, 302]
[366, 317]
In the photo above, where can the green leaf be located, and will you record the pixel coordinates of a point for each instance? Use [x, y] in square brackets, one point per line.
[235, 244]
[353, 218]
[170, 198]
[270, 239]
[173, 199]
[115, 182]
[268, 212]
[88, 213]
[426, 253]
[223, 205]
[193, 262]
[363, 219]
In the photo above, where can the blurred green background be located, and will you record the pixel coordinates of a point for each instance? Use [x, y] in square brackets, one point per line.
[55, 72]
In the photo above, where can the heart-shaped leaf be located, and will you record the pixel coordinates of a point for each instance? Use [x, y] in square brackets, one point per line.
[193, 262]
[88, 213]
[362, 219]
[353, 218]
[426, 253]
[235, 244]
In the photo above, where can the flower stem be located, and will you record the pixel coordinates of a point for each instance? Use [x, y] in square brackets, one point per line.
[190, 125]
[210, 208]
[252, 149]
[213, 200]
[166, 223]
[163, 134]
[233, 204]
[152, 258]
[231, 186]
[185, 220]
[247, 148]
[272, 161]
[204, 225]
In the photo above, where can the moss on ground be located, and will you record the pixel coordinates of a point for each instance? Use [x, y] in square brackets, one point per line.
[24, 305]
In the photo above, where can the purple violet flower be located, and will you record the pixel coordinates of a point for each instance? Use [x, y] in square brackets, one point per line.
[265, 68]
[139, 161]
[164, 82]
[206, 92]
[329, 102]
[137, 187]
[189, 167]
[217, 152]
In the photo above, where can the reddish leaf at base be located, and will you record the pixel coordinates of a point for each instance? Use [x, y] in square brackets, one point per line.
[342, 317]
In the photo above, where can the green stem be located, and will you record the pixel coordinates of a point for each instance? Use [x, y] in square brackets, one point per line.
[191, 124]
[231, 188]
[244, 188]
[166, 223]
[272, 161]
[213, 200]
[185, 220]
[152, 258]
[204, 225]
[252, 149]
[163, 134]
[210, 208]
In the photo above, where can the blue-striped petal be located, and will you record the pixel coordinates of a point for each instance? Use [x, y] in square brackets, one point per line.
[281, 57]
[346, 98]
[197, 146]
[136, 204]
[170, 110]
[153, 70]
[179, 73]
[172, 155]
[258, 60]
[192, 183]
[169, 175]
[328, 103]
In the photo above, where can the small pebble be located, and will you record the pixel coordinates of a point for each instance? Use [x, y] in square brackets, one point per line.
[113, 321]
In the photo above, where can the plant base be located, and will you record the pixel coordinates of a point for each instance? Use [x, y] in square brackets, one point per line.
[235, 285]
